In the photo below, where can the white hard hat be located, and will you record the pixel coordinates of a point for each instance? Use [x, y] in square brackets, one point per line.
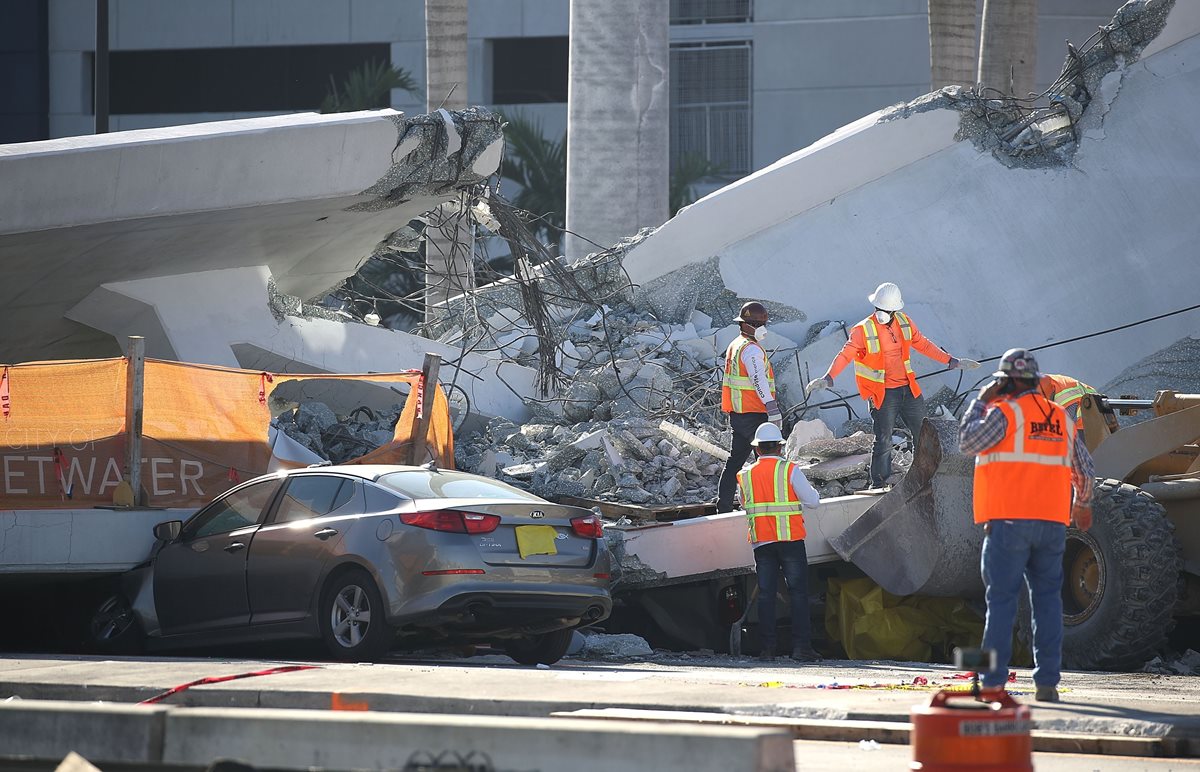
[766, 432]
[887, 297]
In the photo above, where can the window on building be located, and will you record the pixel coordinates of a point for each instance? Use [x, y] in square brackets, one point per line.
[233, 80]
[710, 11]
[529, 70]
[710, 104]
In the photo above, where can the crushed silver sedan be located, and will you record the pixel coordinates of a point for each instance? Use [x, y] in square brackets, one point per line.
[366, 558]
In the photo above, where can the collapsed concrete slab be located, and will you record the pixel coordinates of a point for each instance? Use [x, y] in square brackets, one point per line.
[308, 196]
[209, 239]
[1028, 238]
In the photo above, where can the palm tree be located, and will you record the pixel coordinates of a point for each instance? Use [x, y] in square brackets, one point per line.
[368, 88]
[1008, 46]
[539, 166]
[953, 57]
[690, 170]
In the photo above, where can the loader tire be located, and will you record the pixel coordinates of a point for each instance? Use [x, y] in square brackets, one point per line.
[1120, 583]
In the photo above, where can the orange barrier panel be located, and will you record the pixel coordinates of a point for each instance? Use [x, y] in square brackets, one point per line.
[204, 428]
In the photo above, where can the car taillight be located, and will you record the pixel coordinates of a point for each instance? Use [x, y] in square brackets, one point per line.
[588, 526]
[452, 520]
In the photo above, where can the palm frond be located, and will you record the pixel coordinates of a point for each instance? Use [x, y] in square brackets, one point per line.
[539, 166]
[368, 87]
[690, 170]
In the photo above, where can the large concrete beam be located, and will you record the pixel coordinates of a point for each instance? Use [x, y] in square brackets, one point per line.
[306, 739]
[309, 196]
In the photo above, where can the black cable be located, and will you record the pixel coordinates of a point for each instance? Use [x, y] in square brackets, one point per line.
[1076, 339]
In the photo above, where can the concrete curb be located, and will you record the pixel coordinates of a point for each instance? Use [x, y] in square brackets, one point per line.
[884, 728]
[899, 732]
[306, 739]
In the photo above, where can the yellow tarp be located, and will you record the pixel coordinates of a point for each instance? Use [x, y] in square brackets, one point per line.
[871, 623]
[63, 428]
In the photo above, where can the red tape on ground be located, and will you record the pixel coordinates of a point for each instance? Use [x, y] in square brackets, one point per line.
[221, 679]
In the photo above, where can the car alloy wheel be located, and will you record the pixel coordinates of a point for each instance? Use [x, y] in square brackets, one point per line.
[353, 618]
[114, 628]
[350, 616]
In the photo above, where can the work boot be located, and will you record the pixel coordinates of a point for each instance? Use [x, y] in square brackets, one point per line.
[767, 654]
[806, 654]
[1046, 694]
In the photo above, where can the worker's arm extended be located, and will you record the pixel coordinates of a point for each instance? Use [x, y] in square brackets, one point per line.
[928, 347]
[982, 427]
[807, 494]
[755, 360]
[854, 348]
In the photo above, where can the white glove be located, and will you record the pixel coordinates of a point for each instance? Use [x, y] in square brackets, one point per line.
[818, 384]
[963, 364]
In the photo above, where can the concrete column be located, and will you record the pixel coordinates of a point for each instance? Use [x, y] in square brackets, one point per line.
[445, 54]
[617, 120]
[448, 255]
[1008, 46]
[953, 55]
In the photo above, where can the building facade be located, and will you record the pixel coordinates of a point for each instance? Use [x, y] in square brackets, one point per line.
[751, 80]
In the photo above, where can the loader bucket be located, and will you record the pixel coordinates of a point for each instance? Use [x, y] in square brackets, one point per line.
[920, 538]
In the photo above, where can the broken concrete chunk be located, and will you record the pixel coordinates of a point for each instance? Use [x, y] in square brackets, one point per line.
[839, 469]
[827, 448]
[314, 418]
[563, 457]
[524, 471]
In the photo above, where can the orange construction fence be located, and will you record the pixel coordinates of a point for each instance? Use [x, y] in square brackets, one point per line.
[63, 430]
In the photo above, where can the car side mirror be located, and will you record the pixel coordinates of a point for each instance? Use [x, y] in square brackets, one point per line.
[168, 531]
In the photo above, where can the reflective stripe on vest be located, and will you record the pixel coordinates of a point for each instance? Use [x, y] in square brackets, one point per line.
[863, 371]
[738, 394]
[773, 511]
[1028, 476]
[1019, 454]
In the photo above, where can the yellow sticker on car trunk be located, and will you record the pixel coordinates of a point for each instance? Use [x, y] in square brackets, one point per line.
[536, 540]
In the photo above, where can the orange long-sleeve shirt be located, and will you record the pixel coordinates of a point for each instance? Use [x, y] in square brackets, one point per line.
[889, 342]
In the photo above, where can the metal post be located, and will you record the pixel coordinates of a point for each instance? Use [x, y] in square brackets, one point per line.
[429, 382]
[100, 65]
[134, 385]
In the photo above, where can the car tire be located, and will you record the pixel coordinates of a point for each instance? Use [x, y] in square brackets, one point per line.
[544, 649]
[353, 619]
[114, 629]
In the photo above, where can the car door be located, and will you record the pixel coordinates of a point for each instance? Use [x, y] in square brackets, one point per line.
[200, 578]
[289, 553]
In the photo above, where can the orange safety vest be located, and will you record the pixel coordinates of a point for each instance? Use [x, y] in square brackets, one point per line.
[1067, 392]
[1027, 475]
[738, 394]
[772, 507]
[869, 368]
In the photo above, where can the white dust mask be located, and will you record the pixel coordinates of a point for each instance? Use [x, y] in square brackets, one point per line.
[883, 317]
[760, 332]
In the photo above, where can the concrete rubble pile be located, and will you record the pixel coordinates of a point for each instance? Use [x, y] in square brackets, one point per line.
[315, 426]
[1187, 663]
[634, 416]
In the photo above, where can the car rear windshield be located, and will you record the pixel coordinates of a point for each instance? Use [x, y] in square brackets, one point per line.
[451, 485]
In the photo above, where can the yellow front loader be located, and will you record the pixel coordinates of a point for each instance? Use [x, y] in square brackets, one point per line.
[1127, 579]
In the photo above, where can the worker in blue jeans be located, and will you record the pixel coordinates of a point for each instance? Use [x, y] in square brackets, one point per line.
[1032, 478]
[775, 494]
